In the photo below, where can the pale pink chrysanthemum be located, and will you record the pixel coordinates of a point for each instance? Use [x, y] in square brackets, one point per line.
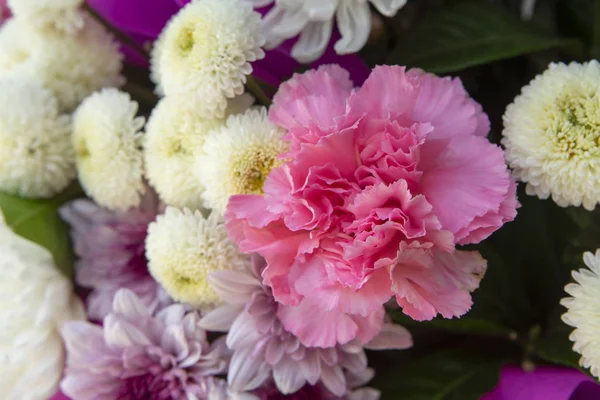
[141, 354]
[382, 182]
[110, 246]
[264, 350]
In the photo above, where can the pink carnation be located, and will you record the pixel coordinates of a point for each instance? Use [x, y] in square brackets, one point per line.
[111, 250]
[382, 183]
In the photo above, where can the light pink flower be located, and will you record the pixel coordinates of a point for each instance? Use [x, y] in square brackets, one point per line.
[111, 251]
[382, 182]
[263, 350]
[140, 354]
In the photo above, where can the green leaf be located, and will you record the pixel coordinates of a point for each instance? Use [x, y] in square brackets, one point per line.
[464, 325]
[38, 221]
[467, 34]
[458, 374]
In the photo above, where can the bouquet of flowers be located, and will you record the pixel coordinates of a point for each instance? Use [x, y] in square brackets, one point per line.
[269, 199]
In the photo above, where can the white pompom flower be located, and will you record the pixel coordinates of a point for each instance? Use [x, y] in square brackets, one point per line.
[174, 138]
[61, 14]
[72, 66]
[204, 53]
[238, 156]
[108, 149]
[313, 21]
[582, 312]
[36, 300]
[36, 155]
[173, 141]
[552, 135]
[183, 248]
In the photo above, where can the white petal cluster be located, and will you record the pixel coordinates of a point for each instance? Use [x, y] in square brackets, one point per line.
[36, 299]
[36, 155]
[72, 66]
[108, 149]
[183, 248]
[237, 158]
[173, 140]
[313, 21]
[552, 134]
[582, 312]
[62, 14]
[204, 53]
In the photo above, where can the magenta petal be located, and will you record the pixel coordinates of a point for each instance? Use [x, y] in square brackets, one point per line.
[134, 16]
[545, 383]
[59, 396]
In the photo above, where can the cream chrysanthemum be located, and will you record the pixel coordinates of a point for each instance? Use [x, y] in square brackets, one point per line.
[72, 66]
[237, 158]
[62, 14]
[36, 299]
[174, 138]
[204, 53]
[36, 155]
[183, 248]
[108, 149]
[552, 134]
[582, 312]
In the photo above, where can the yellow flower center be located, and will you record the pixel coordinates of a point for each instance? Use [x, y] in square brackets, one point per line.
[251, 171]
[575, 125]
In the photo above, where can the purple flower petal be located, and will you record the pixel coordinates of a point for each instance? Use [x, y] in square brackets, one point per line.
[545, 383]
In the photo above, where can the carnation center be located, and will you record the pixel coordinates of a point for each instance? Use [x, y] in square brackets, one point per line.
[251, 169]
[575, 126]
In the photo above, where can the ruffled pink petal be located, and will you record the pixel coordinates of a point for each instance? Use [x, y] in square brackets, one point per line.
[427, 284]
[444, 103]
[463, 178]
[388, 93]
[313, 281]
[309, 103]
[482, 227]
[328, 328]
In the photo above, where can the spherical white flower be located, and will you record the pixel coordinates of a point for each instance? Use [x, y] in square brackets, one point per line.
[582, 312]
[552, 134]
[72, 66]
[174, 138]
[313, 20]
[108, 149]
[36, 155]
[183, 247]
[61, 14]
[237, 158]
[35, 299]
[204, 53]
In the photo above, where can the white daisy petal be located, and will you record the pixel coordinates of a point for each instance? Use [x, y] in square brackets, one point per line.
[354, 23]
[582, 312]
[62, 14]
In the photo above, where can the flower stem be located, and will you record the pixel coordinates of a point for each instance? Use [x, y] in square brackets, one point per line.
[126, 40]
[254, 88]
